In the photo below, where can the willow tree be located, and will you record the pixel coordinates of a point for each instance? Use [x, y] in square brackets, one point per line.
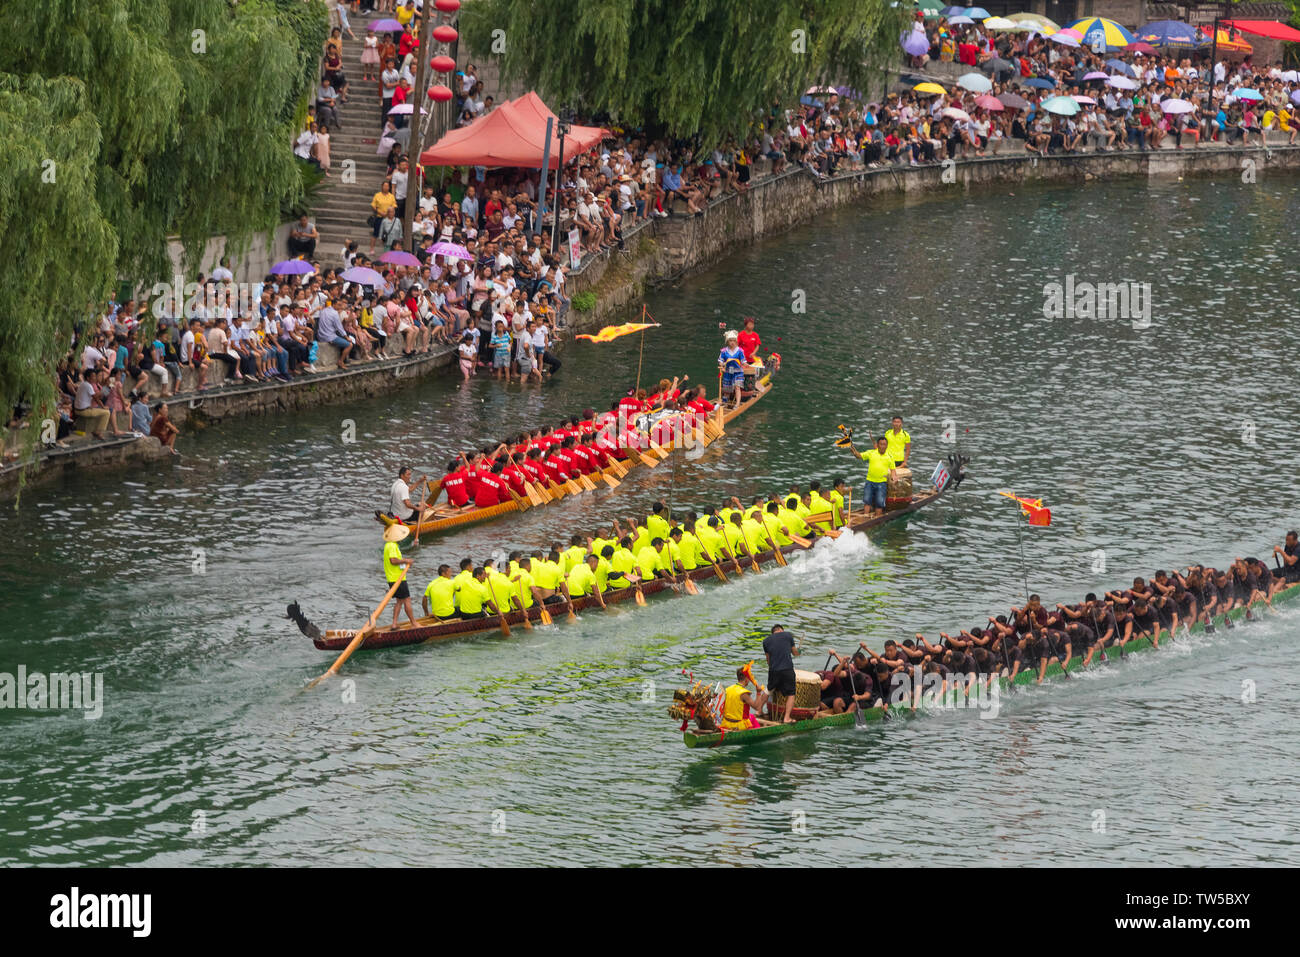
[686, 67]
[124, 123]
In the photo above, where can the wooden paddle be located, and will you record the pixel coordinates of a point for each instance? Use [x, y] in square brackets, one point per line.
[753, 561]
[640, 595]
[657, 449]
[717, 569]
[572, 615]
[521, 502]
[556, 490]
[534, 497]
[609, 479]
[649, 460]
[587, 483]
[363, 634]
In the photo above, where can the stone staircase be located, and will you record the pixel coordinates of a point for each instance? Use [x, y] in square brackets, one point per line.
[341, 208]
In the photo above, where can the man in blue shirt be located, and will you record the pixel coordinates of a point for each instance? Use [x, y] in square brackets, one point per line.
[330, 329]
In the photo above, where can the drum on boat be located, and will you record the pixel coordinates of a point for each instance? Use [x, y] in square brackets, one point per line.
[899, 491]
[807, 696]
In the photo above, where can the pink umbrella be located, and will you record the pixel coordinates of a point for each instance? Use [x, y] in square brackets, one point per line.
[991, 103]
[1084, 99]
[399, 258]
[450, 249]
[1074, 35]
[1094, 75]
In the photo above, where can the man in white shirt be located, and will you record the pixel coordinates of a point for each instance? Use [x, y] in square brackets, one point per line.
[91, 357]
[400, 505]
[399, 178]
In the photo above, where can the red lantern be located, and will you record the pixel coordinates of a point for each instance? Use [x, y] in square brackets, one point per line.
[448, 6]
[439, 93]
[445, 34]
[443, 64]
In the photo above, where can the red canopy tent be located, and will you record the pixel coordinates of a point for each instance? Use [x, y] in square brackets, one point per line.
[1264, 28]
[514, 134]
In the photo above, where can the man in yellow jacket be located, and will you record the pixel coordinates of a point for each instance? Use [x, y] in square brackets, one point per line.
[880, 469]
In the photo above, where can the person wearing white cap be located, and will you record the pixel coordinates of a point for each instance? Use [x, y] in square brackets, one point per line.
[731, 363]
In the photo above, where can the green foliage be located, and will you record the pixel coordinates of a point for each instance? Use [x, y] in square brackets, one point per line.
[584, 301]
[163, 118]
[311, 181]
[712, 67]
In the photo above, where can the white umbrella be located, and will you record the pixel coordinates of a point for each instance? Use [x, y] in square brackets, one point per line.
[401, 109]
[1121, 83]
[1176, 106]
[960, 21]
[1064, 39]
[999, 23]
[955, 113]
[975, 82]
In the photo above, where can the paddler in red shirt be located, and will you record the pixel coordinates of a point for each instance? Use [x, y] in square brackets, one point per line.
[700, 403]
[514, 477]
[491, 489]
[586, 464]
[748, 340]
[532, 467]
[554, 468]
[453, 483]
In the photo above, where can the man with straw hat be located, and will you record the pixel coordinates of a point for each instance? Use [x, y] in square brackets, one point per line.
[395, 568]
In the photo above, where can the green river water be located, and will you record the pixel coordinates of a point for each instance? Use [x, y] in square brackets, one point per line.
[1155, 446]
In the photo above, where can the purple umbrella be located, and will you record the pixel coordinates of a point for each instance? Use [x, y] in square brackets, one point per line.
[915, 43]
[385, 26]
[399, 258]
[1295, 97]
[450, 249]
[363, 275]
[292, 267]
[1095, 75]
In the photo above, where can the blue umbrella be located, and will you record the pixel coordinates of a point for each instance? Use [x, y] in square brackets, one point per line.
[951, 11]
[976, 13]
[1122, 68]
[1246, 93]
[1169, 33]
[1062, 105]
[1038, 83]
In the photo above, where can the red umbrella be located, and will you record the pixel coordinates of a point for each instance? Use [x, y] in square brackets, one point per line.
[1140, 47]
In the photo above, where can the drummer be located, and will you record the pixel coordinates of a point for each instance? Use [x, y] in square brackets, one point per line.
[780, 649]
[900, 443]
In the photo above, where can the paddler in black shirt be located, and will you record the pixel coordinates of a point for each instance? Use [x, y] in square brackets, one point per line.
[1146, 620]
[1289, 557]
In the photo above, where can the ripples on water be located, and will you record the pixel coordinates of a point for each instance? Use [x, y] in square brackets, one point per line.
[931, 307]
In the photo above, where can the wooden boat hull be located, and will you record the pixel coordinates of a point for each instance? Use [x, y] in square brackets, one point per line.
[713, 739]
[432, 629]
[445, 517]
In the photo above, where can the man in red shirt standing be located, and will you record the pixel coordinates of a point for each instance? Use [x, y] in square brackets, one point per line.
[749, 341]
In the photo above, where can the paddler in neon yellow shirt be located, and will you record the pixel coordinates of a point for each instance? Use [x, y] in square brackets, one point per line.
[734, 534]
[473, 595]
[689, 552]
[899, 443]
[547, 575]
[573, 556]
[504, 593]
[621, 564]
[794, 522]
[775, 527]
[656, 523]
[523, 582]
[596, 546]
[440, 596]
[582, 581]
[465, 575]
[817, 503]
[711, 539]
[755, 537]
[837, 495]
[647, 559]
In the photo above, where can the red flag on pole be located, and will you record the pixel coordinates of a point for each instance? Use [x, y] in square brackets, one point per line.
[1037, 513]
